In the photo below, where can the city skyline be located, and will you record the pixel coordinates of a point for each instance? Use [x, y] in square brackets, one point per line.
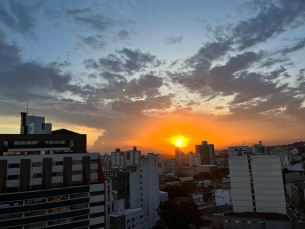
[141, 73]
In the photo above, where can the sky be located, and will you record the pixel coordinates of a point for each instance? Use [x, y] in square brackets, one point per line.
[144, 72]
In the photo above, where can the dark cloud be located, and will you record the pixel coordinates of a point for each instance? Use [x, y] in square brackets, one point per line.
[9, 54]
[173, 40]
[125, 60]
[78, 11]
[20, 17]
[60, 64]
[94, 21]
[138, 106]
[300, 44]
[219, 107]
[123, 34]
[95, 42]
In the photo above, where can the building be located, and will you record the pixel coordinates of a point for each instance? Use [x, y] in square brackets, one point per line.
[283, 154]
[171, 181]
[256, 182]
[193, 159]
[192, 170]
[163, 196]
[206, 152]
[259, 148]
[256, 220]
[35, 141]
[121, 159]
[223, 197]
[139, 187]
[106, 161]
[47, 187]
[168, 165]
[126, 218]
[297, 192]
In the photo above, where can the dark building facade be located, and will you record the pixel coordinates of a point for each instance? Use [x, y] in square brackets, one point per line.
[206, 152]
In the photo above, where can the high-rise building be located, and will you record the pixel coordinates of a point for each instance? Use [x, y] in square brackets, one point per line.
[259, 148]
[139, 187]
[206, 152]
[121, 159]
[45, 184]
[256, 181]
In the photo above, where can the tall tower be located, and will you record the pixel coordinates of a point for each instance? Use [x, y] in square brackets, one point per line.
[256, 181]
[206, 152]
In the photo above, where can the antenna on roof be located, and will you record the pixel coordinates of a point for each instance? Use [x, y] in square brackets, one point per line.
[27, 106]
[243, 143]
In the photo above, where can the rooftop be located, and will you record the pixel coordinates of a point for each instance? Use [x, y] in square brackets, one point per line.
[264, 215]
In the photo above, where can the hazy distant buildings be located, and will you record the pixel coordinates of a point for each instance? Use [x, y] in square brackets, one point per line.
[259, 148]
[192, 159]
[256, 181]
[121, 159]
[206, 152]
[284, 157]
[168, 165]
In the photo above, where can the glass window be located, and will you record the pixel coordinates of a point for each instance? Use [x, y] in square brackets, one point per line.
[54, 210]
[35, 225]
[56, 142]
[33, 213]
[5, 143]
[80, 195]
[62, 142]
[57, 198]
[96, 204]
[79, 206]
[11, 204]
[71, 143]
[13, 177]
[36, 200]
[51, 142]
[11, 216]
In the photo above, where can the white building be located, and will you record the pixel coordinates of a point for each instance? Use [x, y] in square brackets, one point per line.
[106, 161]
[121, 159]
[34, 125]
[126, 219]
[294, 151]
[139, 187]
[168, 165]
[283, 154]
[193, 159]
[223, 197]
[256, 182]
[259, 148]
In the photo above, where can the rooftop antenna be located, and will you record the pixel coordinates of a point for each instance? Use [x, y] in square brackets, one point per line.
[243, 143]
[27, 106]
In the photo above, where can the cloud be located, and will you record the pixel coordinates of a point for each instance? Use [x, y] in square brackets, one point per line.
[78, 11]
[20, 17]
[124, 61]
[123, 34]
[95, 42]
[173, 40]
[138, 106]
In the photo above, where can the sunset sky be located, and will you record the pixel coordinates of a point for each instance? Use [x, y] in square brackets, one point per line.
[139, 72]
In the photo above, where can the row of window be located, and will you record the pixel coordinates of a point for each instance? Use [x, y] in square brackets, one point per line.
[244, 221]
[35, 142]
[54, 163]
[50, 199]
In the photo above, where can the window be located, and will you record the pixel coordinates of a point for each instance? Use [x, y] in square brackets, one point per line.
[13, 177]
[249, 222]
[96, 204]
[79, 206]
[33, 213]
[71, 143]
[11, 216]
[81, 195]
[5, 143]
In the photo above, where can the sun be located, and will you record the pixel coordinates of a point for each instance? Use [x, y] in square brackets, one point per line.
[179, 141]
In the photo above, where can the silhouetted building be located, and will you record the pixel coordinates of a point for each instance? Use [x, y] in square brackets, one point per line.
[206, 152]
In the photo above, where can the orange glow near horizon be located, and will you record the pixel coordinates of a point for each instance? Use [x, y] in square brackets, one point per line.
[179, 141]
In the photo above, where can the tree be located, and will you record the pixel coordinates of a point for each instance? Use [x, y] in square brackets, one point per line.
[179, 216]
[180, 190]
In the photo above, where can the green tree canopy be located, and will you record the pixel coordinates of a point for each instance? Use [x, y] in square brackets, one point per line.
[179, 216]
